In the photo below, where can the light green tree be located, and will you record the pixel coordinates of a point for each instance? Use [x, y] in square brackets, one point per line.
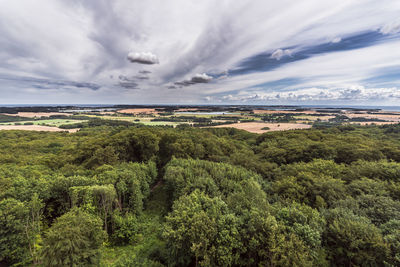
[201, 230]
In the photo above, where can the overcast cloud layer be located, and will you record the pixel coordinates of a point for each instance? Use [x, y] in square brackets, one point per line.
[200, 52]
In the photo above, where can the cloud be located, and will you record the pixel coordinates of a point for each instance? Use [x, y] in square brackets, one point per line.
[306, 44]
[144, 72]
[123, 78]
[184, 83]
[328, 69]
[41, 83]
[391, 28]
[143, 58]
[132, 78]
[264, 62]
[141, 77]
[348, 94]
[129, 85]
[278, 54]
[201, 78]
[128, 82]
[198, 78]
[221, 75]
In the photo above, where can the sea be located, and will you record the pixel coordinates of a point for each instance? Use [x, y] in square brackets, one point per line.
[384, 108]
[276, 107]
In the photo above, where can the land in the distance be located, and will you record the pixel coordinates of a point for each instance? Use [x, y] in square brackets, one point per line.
[256, 119]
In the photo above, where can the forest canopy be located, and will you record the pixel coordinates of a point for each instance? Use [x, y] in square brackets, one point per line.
[123, 195]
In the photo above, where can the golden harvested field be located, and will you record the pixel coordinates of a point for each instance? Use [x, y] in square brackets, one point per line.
[36, 128]
[385, 117]
[186, 109]
[138, 110]
[314, 118]
[256, 127]
[38, 114]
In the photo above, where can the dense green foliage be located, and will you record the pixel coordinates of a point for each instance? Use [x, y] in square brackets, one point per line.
[93, 122]
[120, 195]
[6, 118]
[74, 239]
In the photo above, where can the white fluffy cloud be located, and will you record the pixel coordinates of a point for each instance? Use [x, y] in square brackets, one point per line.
[278, 54]
[391, 28]
[351, 94]
[143, 58]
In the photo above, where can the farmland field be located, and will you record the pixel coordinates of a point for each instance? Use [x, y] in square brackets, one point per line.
[257, 127]
[35, 128]
[37, 114]
[253, 120]
[50, 122]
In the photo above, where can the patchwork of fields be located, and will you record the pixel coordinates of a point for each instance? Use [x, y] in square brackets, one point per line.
[253, 120]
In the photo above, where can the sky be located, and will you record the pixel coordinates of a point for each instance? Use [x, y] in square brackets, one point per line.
[251, 52]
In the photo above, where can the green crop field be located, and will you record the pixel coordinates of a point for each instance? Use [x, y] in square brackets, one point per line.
[143, 120]
[51, 122]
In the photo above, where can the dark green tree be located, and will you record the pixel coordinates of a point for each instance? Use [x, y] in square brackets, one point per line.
[353, 240]
[13, 239]
[73, 240]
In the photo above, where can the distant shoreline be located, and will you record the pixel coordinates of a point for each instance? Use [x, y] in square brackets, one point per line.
[272, 107]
